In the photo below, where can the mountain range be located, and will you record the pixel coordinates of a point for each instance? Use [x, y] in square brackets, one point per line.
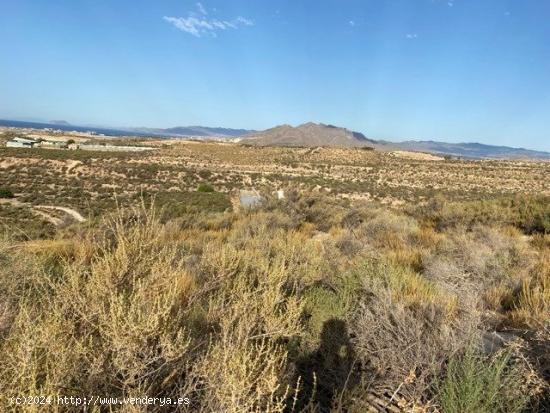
[313, 134]
[306, 135]
[473, 150]
[192, 131]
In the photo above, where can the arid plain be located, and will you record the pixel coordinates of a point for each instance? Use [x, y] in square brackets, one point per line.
[357, 280]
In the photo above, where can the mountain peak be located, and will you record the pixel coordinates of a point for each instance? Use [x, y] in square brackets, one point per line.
[308, 134]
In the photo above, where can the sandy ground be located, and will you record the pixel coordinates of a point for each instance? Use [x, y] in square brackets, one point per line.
[416, 156]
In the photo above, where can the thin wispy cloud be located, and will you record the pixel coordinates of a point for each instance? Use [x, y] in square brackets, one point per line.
[351, 23]
[448, 3]
[245, 22]
[201, 9]
[411, 36]
[198, 24]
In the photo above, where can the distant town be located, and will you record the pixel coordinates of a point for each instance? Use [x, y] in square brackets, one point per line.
[80, 141]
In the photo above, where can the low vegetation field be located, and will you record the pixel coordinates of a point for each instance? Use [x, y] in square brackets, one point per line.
[379, 283]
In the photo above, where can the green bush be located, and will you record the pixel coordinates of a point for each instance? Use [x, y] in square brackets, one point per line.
[205, 188]
[6, 193]
[475, 384]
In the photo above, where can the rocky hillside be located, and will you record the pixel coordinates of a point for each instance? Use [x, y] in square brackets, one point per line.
[308, 134]
[319, 134]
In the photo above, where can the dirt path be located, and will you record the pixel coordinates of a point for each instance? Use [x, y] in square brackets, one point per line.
[54, 220]
[35, 210]
[75, 214]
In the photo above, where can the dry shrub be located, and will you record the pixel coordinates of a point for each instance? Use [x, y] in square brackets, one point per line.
[410, 257]
[468, 261]
[541, 242]
[113, 327]
[497, 268]
[405, 327]
[237, 310]
[538, 353]
[401, 348]
[427, 237]
[396, 237]
[258, 224]
[531, 307]
[404, 285]
[254, 294]
[253, 302]
[21, 278]
[348, 245]
[384, 228]
[243, 376]
[302, 208]
[244, 368]
[134, 320]
[530, 213]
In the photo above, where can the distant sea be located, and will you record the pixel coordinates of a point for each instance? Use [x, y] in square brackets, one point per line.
[68, 128]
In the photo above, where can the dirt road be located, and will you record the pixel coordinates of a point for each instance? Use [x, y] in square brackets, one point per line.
[75, 214]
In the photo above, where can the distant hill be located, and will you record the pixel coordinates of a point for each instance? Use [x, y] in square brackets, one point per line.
[318, 134]
[59, 123]
[465, 150]
[193, 131]
[308, 134]
[69, 127]
[176, 132]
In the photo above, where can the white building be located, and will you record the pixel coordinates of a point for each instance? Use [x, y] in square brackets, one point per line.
[54, 144]
[21, 143]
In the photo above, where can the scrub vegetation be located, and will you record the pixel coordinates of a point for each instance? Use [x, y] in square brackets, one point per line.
[320, 301]
[304, 304]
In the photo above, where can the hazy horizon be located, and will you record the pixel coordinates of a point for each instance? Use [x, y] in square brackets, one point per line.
[452, 71]
[126, 127]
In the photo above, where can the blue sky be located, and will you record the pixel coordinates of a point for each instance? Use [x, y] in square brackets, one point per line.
[461, 70]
